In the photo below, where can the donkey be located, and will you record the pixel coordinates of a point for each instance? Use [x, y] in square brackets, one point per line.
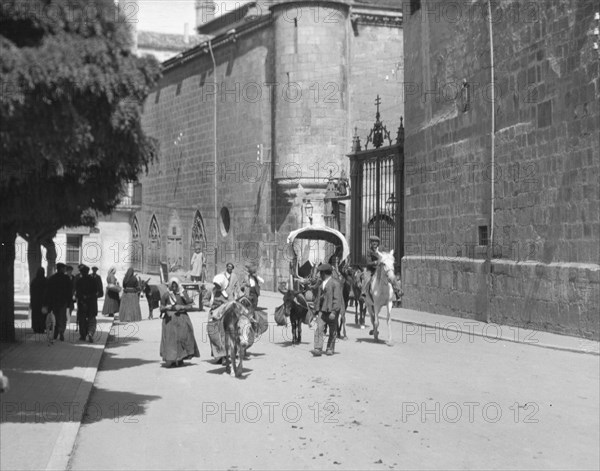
[381, 292]
[355, 278]
[297, 309]
[153, 295]
[238, 330]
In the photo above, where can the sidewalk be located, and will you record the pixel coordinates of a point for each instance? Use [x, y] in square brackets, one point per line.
[48, 391]
[451, 329]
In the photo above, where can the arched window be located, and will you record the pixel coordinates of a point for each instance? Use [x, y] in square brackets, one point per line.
[136, 249]
[198, 233]
[153, 246]
[174, 243]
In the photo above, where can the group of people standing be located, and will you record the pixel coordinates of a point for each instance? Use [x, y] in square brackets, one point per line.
[62, 291]
[124, 299]
[178, 342]
[59, 293]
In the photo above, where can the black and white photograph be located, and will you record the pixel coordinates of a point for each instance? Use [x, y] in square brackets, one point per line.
[299, 235]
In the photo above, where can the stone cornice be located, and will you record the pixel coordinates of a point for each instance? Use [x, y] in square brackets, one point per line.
[389, 19]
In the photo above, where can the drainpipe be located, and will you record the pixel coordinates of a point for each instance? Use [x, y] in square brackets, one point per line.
[212, 56]
[493, 131]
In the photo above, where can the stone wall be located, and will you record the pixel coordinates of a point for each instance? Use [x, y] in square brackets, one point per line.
[284, 85]
[545, 172]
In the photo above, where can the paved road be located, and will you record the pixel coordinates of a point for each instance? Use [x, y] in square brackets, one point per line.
[434, 401]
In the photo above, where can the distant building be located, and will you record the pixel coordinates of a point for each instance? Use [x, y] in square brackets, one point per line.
[247, 141]
[502, 175]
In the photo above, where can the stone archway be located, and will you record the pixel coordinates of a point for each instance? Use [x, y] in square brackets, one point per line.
[153, 260]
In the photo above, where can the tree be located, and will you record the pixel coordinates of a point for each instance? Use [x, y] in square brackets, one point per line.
[70, 130]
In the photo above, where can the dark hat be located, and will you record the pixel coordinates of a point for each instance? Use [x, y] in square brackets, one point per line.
[325, 267]
[60, 265]
[94, 268]
[69, 268]
[84, 269]
[229, 263]
[374, 237]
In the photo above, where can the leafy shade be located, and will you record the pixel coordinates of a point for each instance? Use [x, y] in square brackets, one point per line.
[70, 111]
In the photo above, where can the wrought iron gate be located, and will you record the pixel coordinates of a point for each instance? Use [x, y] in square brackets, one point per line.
[377, 193]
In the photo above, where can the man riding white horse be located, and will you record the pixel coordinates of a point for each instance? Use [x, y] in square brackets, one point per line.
[374, 246]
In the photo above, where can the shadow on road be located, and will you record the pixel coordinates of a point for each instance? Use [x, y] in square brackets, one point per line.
[118, 406]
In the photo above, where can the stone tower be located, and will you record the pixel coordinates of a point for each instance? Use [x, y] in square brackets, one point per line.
[310, 105]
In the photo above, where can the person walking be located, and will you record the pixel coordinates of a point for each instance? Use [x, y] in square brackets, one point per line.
[328, 305]
[58, 296]
[216, 331]
[198, 264]
[130, 302]
[98, 280]
[112, 301]
[87, 304]
[233, 286]
[37, 288]
[177, 342]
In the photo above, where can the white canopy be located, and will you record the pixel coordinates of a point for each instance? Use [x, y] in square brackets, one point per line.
[325, 233]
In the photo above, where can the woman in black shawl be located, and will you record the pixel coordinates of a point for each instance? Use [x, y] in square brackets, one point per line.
[130, 301]
[177, 341]
[37, 288]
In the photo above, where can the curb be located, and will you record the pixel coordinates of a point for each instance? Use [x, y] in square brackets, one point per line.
[65, 443]
[499, 338]
[595, 350]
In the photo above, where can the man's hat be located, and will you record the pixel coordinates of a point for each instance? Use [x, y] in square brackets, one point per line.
[94, 268]
[250, 267]
[229, 263]
[60, 265]
[375, 238]
[84, 269]
[325, 267]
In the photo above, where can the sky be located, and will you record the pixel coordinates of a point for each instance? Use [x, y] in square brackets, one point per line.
[169, 16]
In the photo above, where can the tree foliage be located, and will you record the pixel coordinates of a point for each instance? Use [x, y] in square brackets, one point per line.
[72, 95]
[70, 113]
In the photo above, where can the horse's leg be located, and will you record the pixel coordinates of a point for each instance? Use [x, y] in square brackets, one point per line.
[240, 367]
[227, 352]
[389, 320]
[299, 337]
[234, 353]
[294, 323]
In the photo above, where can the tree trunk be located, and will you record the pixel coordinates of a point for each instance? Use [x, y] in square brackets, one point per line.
[34, 257]
[48, 244]
[8, 238]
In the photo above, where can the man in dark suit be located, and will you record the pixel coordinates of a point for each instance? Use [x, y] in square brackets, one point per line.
[328, 305]
[59, 293]
[98, 281]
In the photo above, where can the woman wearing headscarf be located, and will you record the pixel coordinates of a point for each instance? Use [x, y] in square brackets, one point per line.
[111, 299]
[177, 341]
[37, 288]
[130, 302]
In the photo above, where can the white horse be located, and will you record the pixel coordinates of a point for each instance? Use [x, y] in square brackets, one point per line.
[381, 292]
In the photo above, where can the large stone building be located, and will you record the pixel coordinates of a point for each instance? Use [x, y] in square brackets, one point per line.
[251, 123]
[502, 195]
